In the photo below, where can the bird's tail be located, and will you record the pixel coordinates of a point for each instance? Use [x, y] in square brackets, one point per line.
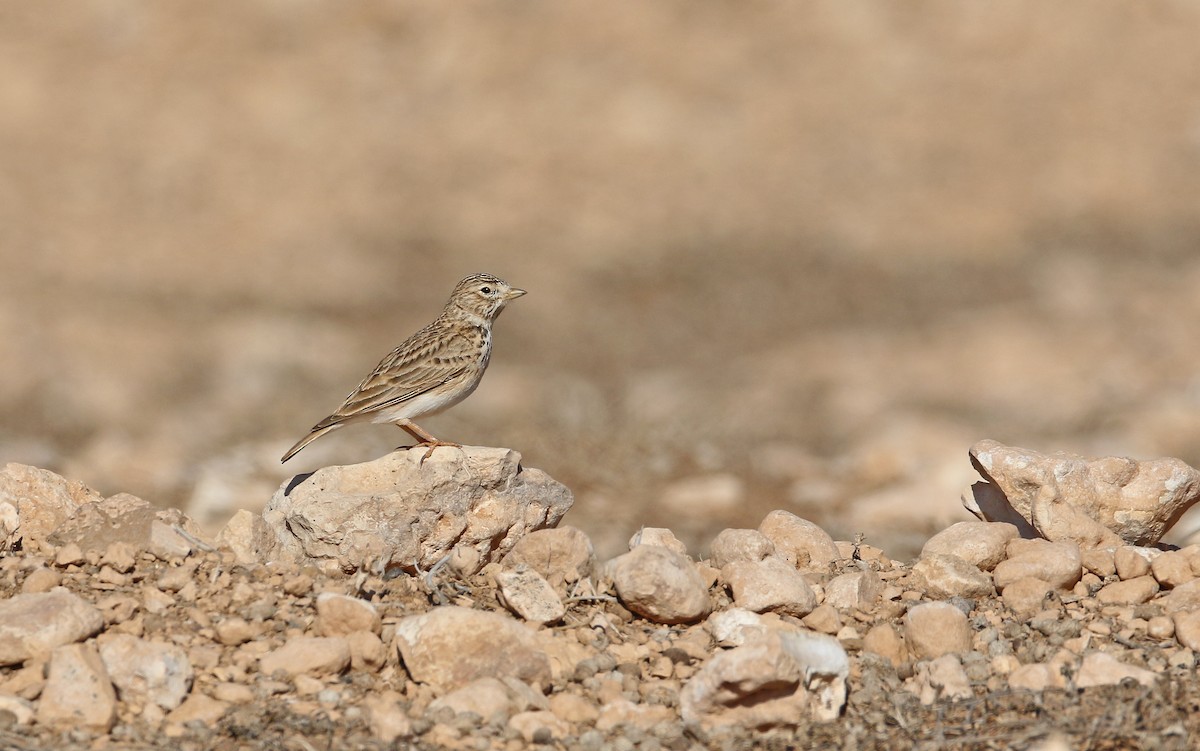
[316, 433]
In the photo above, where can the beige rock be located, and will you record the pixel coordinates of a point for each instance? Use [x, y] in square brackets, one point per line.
[1186, 596]
[733, 627]
[824, 619]
[1036, 677]
[1099, 561]
[124, 518]
[944, 576]
[530, 596]
[246, 535]
[399, 513]
[799, 541]
[78, 692]
[661, 585]
[857, 590]
[1160, 627]
[769, 584]
[1137, 500]
[1131, 561]
[943, 678]
[41, 579]
[574, 708]
[1128, 592]
[981, 544]
[338, 615]
[233, 693]
[732, 545]
[450, 646]
[34, 624]
[1058, 520]
[198, 709]
[1102, 669]
[10, 526]
[367, 651]
[68, 555]
[22, 710]
[1028, 596]
[882, 639]
[308, 655]
[645, 717]
[662, 537]
[539, 725]
[43, 501]
[145, 671]
[781, 679]
[388, 719]
[233, 631]
[486, 697]
[562, 555]
[1058, 563]
[1172, 568]
[987, 503]
[1187, 628]
[933, 629]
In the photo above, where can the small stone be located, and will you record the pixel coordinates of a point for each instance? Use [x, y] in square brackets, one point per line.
[539, 726]
[41, 579]
[860, 590]
[34, 624]
[147, 671]
[574, 708]
[663, 538]
[800, 542]
[661, 585]
[943, 678]
[735, 626]
[1187, 628]
[1128, 592]
[1160, 627]
[199, 710]
[367, 651]
[245, 535]
[640, 717]
[769, 584]
[981, 544]
[732, 545]
[339, 615]
[1131, 561]
[933, 629]
[1102, 669]
[388, 719]
[233, 631]
[233, 693]
[68, 555]
[944, 576]
[824, 619]
[562, 555]
[1057, 563]
[312, 655]
[22, 710]
[1099, 561]
[78, 692]
[486, 697]
[1036, 677]
[1172, 568]
[885, 641]
[1183, 597]
[120, 556]
[529, 596]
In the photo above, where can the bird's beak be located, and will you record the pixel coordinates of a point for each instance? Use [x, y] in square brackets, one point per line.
[513, 293]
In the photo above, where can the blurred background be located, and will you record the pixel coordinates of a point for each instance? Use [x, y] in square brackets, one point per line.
[792, 256]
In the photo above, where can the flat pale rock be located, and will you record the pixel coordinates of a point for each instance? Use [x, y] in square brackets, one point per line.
[450, 646]
[944, 576]
[1172, 568]
[1128, 592]
[659, 584]
[486, 697]
[1187, 628]
[739, 545]
[771, 584]
[1058, 563]
[1067, 496]
[34, 624]
[530, 596]
[42, 499]
[198, 708]
[933, 629]
[733, 627]
[125, 518]
[389, 721]
[562, 555]
[1027, 596]
[884, 640]
[147, 671]
[660, 536]
[308, 655]
[857, 590]
[78, 692]
[338, 615]
[783, 679]
[399, 514]
[246, 535]
[1037, 676]
[800, 542]
[943, 678]
[982, 544]
[1102, 669]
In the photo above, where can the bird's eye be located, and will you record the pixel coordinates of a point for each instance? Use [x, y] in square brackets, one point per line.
[486, 290]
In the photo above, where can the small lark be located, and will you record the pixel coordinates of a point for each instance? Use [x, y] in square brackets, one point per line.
[433, 370]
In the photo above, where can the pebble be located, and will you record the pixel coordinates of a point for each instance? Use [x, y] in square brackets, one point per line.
[934, 629]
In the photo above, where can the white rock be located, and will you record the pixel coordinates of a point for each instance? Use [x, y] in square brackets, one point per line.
[1102, 669]
[857, 590]
[771, 584]
[661, 585]
[146, 671]
[660, 536]
[982, 544]
[34, 624]
[799, 541]
[732, 545]
[530, 596]
[933, 629]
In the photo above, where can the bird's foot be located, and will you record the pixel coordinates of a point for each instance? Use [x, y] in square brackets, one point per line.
[433, 445]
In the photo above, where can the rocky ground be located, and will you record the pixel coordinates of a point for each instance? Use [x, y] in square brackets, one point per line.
[483, 622]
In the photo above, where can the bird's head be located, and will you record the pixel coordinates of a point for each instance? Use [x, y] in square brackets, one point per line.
[483, 295]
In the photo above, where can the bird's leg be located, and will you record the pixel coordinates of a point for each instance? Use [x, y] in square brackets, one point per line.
[424, 438]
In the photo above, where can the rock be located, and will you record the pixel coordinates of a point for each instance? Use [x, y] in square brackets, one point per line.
[35, 624]
[10, 526]
[486, 697]
[338, 615]
[1102, 669]
[388, 719]
[530, 596]
[147, 671]
[78, 692]
[1058, 563]
[43, 501]
[574, 708]
[735, 626]
[661, 585]
[943, 678]
[41, 579]
[22, 710]
[1136, 500]
[664, 538]
[246, 535]
[642, 717]
[562, 555]
[199, 710]
[780, 680]
[857, 590]
[732, 545]
[982, 544]
[233, 631]
[1098, 561]
[703, 496]
[308, 655]
[1131, 561]
[800, 542]
[450, 646]
[885, 641]
[769, 584]
[367, 651]
[1036, 677]
[124, 518]
[539, 726]
[1128, 592]
[1187, 628]
[944, 576]
[398, 513]
[1184, 597]
[1172, 568]
[1027, 596]
[823, 619]
[933, 629]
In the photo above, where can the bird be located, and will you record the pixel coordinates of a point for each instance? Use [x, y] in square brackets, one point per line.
[433, 370]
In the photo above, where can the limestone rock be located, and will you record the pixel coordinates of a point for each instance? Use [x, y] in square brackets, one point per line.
[782, 679]
[339, 615]
[146, 671]
[769, 584]
[1037, 676]
[1027, 595]
[943, 678]
[397, 513]
[1132, 561]
[199, 709]
[308, 655]
[42, 499]
[1058, 563]
[885, 641]
[1128, 592]
[933, 629]
[562, 555]
[78, 691]
[800, 542]
[1058, 493]
[1102, 669]
[982, 544]
[22, 710]
[246, 535]
[660, 536]
[1172, 568]
[388, 719]
[661, 585]
[34, 624]
[124, 518]
[734, 627]
[530, 596]
[739, 545]
[944, 576]
[450, 646]
[858, 590]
